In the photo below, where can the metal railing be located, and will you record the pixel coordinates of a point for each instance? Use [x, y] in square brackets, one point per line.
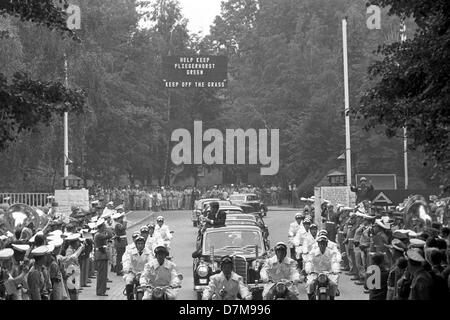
[31, 199]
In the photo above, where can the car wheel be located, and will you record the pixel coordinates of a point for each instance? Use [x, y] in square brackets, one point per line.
[199, 295]
[194, 223]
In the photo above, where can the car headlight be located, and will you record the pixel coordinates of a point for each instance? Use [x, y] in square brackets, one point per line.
[202, 270]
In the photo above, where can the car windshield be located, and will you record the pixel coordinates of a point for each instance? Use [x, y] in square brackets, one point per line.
[233, 242]
[237, 198]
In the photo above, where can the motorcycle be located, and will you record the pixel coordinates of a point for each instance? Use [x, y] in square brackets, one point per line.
[281, 289]
[138, 293]
[322, 286]
[157, 292]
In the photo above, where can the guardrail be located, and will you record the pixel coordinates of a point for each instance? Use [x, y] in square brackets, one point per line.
[31, 199]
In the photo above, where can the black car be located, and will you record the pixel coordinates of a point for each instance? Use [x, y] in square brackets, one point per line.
[245, 243]
[249, 200]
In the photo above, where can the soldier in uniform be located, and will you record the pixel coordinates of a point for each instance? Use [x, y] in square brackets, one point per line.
[19, 272]
[72, 264]
[422, 282]
[55, 274]
[120, 240]
[101, 257]
[227, 284]
[36, 277]
[5, 274]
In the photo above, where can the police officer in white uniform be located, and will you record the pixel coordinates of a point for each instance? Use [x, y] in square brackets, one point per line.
[227, 284]
[133, 262]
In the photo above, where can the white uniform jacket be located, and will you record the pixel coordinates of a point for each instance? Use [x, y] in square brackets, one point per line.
[164, 233]
[157, 275]
[332, 246]
[135, 262]
[152, 242]
[308, 243]
[318, 262]
[232, 287]
[294, 227]
[276, 271]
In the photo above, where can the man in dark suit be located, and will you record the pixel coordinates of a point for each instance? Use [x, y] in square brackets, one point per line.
[215, 217]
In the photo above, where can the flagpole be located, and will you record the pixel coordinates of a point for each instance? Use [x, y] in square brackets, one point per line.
[405, 136]
[347, 104]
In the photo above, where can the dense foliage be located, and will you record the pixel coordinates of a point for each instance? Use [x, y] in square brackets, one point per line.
[285, 72]
[412, 86]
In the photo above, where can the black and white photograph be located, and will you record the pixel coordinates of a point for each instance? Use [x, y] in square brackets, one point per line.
[206, 150]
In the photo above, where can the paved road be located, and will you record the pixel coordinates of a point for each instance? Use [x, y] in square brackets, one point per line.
[183, 245]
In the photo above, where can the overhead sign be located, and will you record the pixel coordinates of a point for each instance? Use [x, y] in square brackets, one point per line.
[195, 71]
[68, 198]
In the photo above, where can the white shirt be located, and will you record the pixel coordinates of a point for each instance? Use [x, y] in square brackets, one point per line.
[276, 271]
[232, 287]
[134, 262]
[160, 275]
[318, 262]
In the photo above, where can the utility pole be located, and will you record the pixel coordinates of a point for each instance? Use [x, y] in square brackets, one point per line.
[66, 125]
[347, 105]
[405, 133]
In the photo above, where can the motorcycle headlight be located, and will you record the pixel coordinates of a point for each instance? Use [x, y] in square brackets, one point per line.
[157, 293]
[322, 278]
[202, 270]
[280, 287]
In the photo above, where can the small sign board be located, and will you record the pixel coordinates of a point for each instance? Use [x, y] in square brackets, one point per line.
[195, 71]
[68, 198]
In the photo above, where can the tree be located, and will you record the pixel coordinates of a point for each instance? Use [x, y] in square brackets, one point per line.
[411, 85]
[25, 103]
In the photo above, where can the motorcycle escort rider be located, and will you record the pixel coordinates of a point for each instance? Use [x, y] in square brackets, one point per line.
[227, 284]
[134, 261]
[294, 228]
[299, 239]
[160, 272]
[163, 231]
[279, 268]
[322, 259]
